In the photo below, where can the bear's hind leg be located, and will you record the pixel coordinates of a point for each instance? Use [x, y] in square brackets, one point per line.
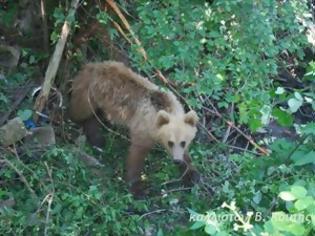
[93, 132]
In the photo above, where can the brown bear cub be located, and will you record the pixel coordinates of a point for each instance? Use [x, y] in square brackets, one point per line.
[126, 98]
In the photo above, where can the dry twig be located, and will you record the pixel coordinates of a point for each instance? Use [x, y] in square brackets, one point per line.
[230, 123]
[177, 179]
[120, 30]
[45, 26]
[22, 177]
[50, 198]
[152, 212]
[116, 9]
[177, 190]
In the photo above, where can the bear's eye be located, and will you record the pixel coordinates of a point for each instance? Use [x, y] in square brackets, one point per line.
[182, 144]
[170, 144]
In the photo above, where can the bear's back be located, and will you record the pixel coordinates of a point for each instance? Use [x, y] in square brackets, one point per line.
[118, 91]
[119, 75]
[122, 95]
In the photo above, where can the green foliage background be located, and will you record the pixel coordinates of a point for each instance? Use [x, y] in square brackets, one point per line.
[228, 51]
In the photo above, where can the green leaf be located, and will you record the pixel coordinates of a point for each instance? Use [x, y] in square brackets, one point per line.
[197, 225]
[280, 90]
[3, 98]
[160, 232]
[266, 112]
[298, 191]
[304, 203]
[310, 71]
[210, 229]
[32, 59]
[279, 219]
[308, 129]
[299, 153]
[71, 16]
[254, 124]
[282, 222]
[59, 16]
[304, 160]
[257, 197]
[283, 118]
[287, 196]
[298, 96]
[296, 229]
[295, 103]
[25, 114]
[102, 17]
[192, 212]
[222, 233]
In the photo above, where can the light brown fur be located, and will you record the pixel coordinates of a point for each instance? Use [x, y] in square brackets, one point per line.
[129, 99]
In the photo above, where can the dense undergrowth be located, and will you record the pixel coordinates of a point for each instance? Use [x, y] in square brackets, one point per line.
[246, 63]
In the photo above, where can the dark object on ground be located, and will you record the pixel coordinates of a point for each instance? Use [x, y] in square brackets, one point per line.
[41, 137]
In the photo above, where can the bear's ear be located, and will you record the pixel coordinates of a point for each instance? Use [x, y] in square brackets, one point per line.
[163, 118]
[191, 118]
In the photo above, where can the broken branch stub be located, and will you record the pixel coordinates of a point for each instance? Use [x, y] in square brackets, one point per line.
[54, 64]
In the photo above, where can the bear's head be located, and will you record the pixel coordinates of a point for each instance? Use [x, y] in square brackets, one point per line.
[176, 131]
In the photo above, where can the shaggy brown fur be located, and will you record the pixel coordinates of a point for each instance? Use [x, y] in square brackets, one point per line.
[129, 99]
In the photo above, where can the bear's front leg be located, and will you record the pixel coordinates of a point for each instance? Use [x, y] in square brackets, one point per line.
[135, 163]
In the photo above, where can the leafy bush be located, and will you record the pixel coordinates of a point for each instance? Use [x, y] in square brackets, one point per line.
[69, 199]
[255, 208]
[225, 50]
